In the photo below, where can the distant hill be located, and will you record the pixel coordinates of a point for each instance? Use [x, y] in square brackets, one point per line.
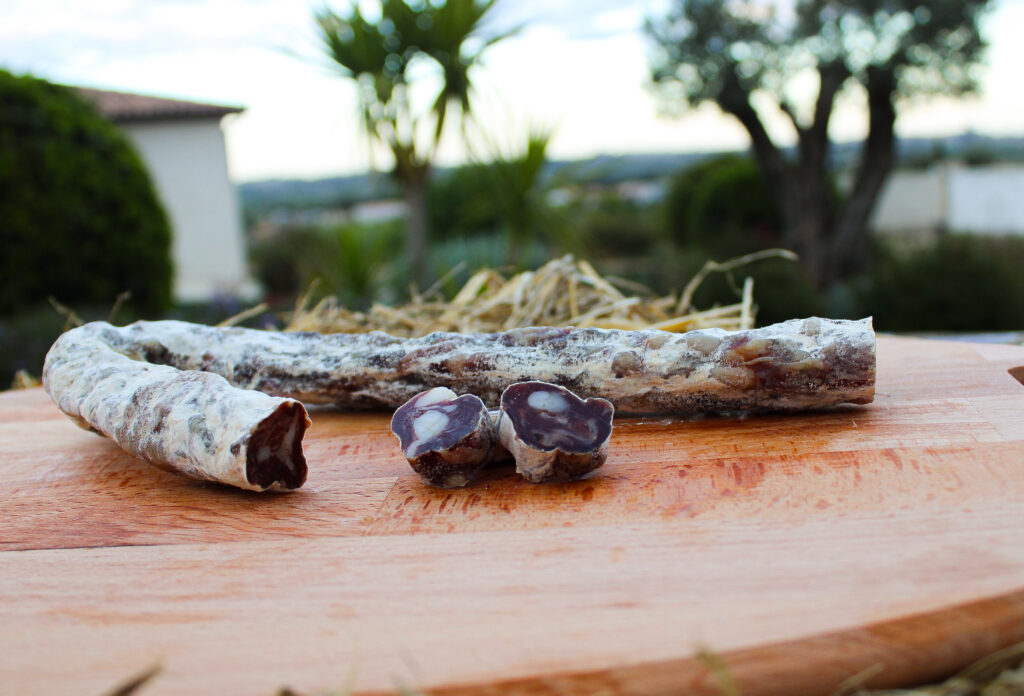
[260, 196]
[339, 191]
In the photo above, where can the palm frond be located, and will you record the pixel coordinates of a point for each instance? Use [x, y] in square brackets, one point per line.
[377, 55]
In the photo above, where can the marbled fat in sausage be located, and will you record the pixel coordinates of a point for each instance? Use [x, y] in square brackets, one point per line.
[446, 438]
[552, 433]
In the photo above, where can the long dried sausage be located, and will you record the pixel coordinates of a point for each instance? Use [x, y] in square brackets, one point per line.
[798, 364]
[128, 383]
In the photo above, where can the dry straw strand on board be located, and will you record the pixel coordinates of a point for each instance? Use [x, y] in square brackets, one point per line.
[24, 380]
[998, 674]
[563, 292]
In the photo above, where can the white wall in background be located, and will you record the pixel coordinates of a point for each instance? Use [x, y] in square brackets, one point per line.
[987, 201]
[979, 200]
[188, 164]
[910, 201]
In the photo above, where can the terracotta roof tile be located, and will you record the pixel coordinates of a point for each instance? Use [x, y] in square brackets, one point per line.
[122, 107]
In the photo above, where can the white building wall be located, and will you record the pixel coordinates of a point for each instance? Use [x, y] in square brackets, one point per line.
[976, 200]
[188, 164]
[987, 201]
[909, 202]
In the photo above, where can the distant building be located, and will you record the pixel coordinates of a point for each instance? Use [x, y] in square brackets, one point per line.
[383, 210]
[369, 212]
[978, 200]
[183, 148]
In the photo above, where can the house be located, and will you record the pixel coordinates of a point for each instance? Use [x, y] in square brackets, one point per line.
[182, 145]
[985, 200]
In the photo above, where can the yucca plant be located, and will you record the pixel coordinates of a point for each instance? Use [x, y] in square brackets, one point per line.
[519, 192]
[378, 54]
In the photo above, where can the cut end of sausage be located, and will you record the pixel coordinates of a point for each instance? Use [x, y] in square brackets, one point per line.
[445, 438]
[549, 417]
[552, 433]
[274, 457]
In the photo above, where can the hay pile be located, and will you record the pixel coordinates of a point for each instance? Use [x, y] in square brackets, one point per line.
[563, 292]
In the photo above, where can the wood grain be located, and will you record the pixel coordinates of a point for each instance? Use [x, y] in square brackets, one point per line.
[801, 549]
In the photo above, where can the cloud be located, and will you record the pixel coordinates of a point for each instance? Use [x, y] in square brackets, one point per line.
[575, 19]
[68, 40]
[578, 66]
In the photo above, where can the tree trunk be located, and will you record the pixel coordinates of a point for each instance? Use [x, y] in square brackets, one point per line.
[807, 225]
[828, 246]
[807, 212]
[415, 190]
[850, 233]
[812, 206]
[800, 189]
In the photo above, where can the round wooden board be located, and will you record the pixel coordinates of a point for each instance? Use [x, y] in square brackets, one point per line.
[796, 550]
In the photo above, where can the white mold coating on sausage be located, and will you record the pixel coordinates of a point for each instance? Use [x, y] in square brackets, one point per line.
[798, 364]
[192, 423]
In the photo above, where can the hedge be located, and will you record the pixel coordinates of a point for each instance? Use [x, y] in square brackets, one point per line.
[79, 218]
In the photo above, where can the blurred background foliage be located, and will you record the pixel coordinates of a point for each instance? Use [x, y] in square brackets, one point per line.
[79, 218]
[81, 222]
[715, 209]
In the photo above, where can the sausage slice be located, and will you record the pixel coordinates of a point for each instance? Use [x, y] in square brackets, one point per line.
[446, 438]
[552, 433]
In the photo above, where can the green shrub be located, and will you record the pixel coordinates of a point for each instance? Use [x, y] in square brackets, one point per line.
[963, 283]
[24, 339]
[614, 227]
[459, 204]
[507, 194]
[80, 219]
[279, 264]
[722, 205]
[357, 264]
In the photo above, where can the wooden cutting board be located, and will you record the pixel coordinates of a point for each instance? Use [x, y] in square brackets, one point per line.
[798, 550]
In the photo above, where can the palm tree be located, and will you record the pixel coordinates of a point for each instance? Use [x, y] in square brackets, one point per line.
[378, 54]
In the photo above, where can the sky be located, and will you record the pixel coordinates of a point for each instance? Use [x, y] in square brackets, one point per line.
[579, 68]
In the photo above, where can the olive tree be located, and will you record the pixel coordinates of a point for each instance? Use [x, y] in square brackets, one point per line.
[729, 53]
